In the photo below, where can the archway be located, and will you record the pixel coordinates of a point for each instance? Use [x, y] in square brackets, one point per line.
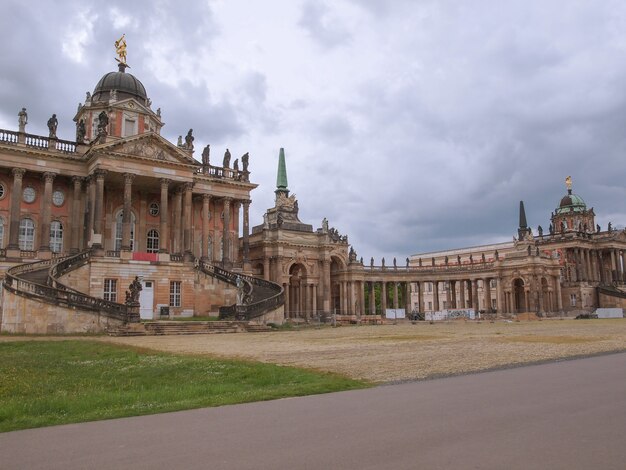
[298, 296]
[519, 296]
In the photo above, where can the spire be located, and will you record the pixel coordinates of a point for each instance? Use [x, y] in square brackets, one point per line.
[523, 225]
[281, 178]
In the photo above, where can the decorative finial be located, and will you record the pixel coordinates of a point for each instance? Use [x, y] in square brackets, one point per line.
[568, 183]
[120, 49]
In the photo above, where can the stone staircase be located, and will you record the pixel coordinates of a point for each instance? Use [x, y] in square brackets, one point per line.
[164, 328]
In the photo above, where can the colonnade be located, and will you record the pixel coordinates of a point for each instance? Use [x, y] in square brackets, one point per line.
[604, 265]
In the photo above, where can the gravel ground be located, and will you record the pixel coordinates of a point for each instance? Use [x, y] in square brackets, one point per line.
[405, 351]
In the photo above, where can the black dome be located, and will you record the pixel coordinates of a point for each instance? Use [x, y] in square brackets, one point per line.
[127, 86]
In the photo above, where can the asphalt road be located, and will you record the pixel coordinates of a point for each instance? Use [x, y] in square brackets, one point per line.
[566, 415]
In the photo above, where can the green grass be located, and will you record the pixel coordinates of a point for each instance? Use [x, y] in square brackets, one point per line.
[43, 383]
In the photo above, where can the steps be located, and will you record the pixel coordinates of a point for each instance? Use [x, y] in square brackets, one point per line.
[165, 328]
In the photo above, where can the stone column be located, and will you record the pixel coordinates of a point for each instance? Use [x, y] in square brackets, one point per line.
[164, 217]
[500, 303]
[421, 296]
[246, 231]
[187, 210]
[326, 286]
[91, 207]
[395, 295]
[624, 265]
[178, 210]
[613, 266]
[407, 298]
[618, 266]
[436, 296]
[559, 298]
[98, 241]
[287, 309]
[372, 307]
[383, 297]
[225, 231]
[126, 213]
[487, 294]
[205, 225]
[462, 284]
[475, 303]
[46, 208]
[77, 223]
[314, 298]
[16, 199]
[266, 268]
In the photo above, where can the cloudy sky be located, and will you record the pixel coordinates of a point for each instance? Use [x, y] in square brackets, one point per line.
[411, 125]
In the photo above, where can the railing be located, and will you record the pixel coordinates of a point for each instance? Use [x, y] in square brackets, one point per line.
[36, 141]
[66, 146]
[112, 254]
[9, 137]
[228, 173]
[178, 258]
[28, 254]
[250, 310]
[480, 266]
[58, 293]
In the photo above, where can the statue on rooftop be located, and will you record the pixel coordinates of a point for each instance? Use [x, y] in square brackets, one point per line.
[407, 262]
[158, 112]
[80, 131]
[236, 164]
[325, 226]
[551, 228]
[598, 229]
[205, 156]
[372, 262]
[395, 266]
[87, 97]
[120, 49]
[53, 122]
[189, 140]
[226, 162]
[244, 161]
[22, 119]
[540, 231]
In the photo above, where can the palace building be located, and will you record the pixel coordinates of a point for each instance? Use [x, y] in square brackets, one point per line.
[120, 225]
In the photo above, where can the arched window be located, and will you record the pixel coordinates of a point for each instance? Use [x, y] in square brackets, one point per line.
[56, 236]
[1, 232]
[27, 234]
[118, 231]
[152, 244]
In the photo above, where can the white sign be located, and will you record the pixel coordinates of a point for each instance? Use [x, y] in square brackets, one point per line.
[609, 313]
[394, 313]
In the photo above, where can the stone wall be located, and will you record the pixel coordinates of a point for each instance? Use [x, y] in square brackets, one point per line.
[611, 301]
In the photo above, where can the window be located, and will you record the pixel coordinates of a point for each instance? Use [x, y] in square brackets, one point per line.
[29, 194]
[572, 300]
[429, 286]
[175, 294]
[152, 244]
[430, 305]
[130, 127]
[58, 198]
[445, 305]
[118, 231]
[493, 304]
[110, 290]
[154, 209]
[3, 191]
[27, 234]
[56, 236]
[493, 283]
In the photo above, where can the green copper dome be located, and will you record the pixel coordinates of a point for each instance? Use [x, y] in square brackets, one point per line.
[571, 203]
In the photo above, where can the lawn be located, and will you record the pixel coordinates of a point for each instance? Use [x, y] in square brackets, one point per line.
[44, 383]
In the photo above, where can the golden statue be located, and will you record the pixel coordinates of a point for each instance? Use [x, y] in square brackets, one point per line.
[120, 48]
[568, 183]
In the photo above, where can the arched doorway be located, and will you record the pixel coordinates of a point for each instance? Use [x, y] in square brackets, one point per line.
[519, 296]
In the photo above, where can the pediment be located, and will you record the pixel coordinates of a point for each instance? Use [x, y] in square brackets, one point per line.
[150, 146]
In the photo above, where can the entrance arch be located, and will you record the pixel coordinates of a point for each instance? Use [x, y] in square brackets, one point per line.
[298, 298]
[519, 295]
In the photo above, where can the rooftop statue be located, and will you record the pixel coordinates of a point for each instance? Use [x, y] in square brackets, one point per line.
[244, 161]
[53, 122]
[189, 140]
[205, 155]
[236, 164]
[226, 162]
[568, 183]
[80, 131]
[22, 119]
[120, 49]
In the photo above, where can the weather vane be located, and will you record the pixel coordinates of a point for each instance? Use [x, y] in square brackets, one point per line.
[120, 48]
[568, 183]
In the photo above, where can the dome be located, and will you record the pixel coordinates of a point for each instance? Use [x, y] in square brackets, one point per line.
[126, 84]
[571, 203]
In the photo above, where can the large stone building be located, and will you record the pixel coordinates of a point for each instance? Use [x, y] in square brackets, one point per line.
[83, 220]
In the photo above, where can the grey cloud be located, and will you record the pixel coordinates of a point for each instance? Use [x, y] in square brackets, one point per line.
[317, 20]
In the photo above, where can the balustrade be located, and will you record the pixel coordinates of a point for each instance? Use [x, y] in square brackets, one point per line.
[9, 137]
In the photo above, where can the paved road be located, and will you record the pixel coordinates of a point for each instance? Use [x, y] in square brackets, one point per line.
[567, 415]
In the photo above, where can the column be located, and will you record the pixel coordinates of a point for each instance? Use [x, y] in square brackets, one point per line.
[266, 268]
[164, 217]
[475, 303]
[246, 230]
[395, 295]
[46, 208]
[225, 230]
[624, 265]
[372, 309]
[314, 298]
[187, 210]
[126, 213]
[436, 296]
[16, 198]
[98, 234]
[178, 210]
[559, 298]
[486, 295]
[452, 294]
[407, 298]
[91, 207]
[326, 287]
[383, 297]
[462, 284]
[76, 218]
[205, 225]
[287, 310]
[500, 303]
[421, 296]
[618, 266]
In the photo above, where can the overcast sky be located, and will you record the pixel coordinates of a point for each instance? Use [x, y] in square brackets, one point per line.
[411, 125]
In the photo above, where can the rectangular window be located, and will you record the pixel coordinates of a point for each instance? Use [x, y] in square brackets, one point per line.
[430, 305]
[110, 290]
[430, 286]
[493, 283]
[494, 305]
[572, 300]
[129, 127]
[445, 305]
[175, 294]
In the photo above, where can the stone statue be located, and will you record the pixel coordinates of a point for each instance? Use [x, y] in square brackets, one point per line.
[497, 255]
[226, 162]
[22, 119]
[419, 262]
[279, 220]
[240, 293]
[103, 122]
[458, 260]
[383, 262]
[80, 105]
[482, 257]
[87, 97]
[53, 122]
[540, 231]
[433, 260]
[610, 227]
[372, 262]
[407, 262]
[180, 141]
[598, 229]
[551, 228]
[537, 252]
[205, 157]
[158, 112]
[325, 225]
[266, 223]
[395, 266]
[563, 226]
[80, 131]
[132, 294]
[352, 254]
[120, 49]
[189, 140]
[236, 164]
[148, 102]
[361, 260]
[471, 259]
[446, 260]
[244, 161]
